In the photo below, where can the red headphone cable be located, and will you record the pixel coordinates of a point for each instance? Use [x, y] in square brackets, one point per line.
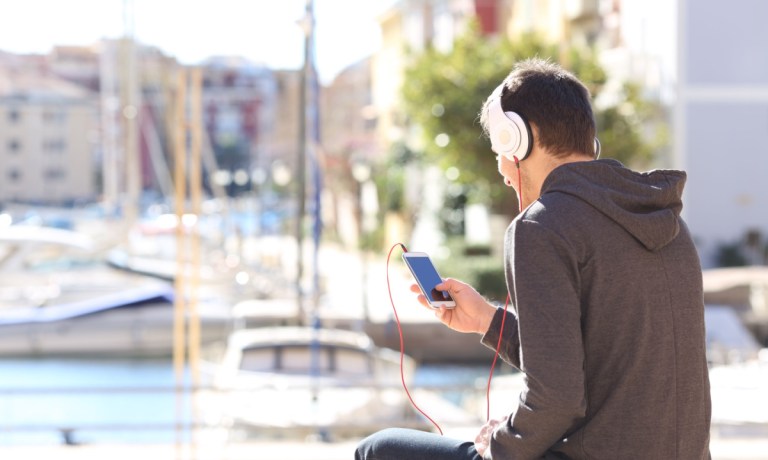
[493, 364]
[519, 186]
[402, 348]
[506, 303]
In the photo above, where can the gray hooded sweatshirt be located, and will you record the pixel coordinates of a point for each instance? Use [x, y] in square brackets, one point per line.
[606, 321]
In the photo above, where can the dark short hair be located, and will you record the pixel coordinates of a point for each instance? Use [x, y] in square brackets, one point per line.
[554, 100]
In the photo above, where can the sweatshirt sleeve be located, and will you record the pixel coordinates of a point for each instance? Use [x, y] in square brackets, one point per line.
[544, 275]
[510, 344]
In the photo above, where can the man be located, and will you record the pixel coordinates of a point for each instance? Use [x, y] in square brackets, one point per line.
[606, 317]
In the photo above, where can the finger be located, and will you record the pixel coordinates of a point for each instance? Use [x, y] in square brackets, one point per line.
[481, 440]
[482, 436]
[445, 285]
[444, 315]
[420, 298]
[448, 284]
[423, 301]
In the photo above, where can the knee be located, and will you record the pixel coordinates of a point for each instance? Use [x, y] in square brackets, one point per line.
[376, 445]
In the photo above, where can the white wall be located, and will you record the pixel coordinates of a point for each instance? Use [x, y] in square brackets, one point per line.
[721, 128]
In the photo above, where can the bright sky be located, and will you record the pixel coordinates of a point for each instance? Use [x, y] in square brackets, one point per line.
[191, 30]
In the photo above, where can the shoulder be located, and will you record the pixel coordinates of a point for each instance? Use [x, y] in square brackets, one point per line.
[557, 219]
[554, 209]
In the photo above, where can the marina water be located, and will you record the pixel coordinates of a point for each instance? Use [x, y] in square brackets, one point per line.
[125, 400]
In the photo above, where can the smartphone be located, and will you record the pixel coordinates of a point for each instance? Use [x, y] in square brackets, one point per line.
[427, 278]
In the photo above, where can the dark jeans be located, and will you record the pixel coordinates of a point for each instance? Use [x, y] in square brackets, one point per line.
[405, 444]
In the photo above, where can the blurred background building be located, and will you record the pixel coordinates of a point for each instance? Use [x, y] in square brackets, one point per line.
[62, 126]
[721, 135]
[289, 162]
[48, 134]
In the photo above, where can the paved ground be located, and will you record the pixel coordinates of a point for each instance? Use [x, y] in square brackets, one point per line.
[722, 449]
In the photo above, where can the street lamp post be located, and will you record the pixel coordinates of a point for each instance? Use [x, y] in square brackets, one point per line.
[258, 178]
[361, 172]
[307, 26]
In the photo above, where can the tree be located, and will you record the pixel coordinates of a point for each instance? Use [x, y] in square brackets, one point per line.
[443, 94]
[621, 127]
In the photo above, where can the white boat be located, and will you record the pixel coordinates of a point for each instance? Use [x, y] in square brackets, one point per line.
[150, 249]
[738, 376]
[303, 381]
[745, 289]
[58, 297]
[740, 394]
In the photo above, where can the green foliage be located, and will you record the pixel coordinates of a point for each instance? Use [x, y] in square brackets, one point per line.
[443, 94]
[476, 265]
[391, 181]
[492, 283]
[621, 126]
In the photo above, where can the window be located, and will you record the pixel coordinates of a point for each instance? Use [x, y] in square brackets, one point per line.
[14, 116]
[14, 146]
[54, 174]
[301, 359]
[14, 175]
[54, 116]
[258, 360]
[370, 124]
[352, 362]
[54, 146]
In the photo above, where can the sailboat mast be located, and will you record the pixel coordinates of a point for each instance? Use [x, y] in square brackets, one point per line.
[109, 132]
[130, 113]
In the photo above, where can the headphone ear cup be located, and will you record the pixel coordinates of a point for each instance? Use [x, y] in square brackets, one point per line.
[597, 148]
[510, 133]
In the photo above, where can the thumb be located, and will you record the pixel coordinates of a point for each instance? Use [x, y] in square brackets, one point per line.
[446, 285]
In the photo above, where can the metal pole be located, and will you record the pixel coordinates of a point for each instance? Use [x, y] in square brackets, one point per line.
[195, 186]
[301, 163]
[179, 306]
[362, 251]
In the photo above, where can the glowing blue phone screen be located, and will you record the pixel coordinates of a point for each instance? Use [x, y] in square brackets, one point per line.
[427, 276]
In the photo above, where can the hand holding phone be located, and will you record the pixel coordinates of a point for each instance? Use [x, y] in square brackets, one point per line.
[427, 278]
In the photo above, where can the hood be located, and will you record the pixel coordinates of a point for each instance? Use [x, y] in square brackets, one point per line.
[647, 205]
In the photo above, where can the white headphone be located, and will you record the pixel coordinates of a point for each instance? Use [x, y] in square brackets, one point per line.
[510, 133]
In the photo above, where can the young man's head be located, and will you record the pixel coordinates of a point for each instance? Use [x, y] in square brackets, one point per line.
[554, 101]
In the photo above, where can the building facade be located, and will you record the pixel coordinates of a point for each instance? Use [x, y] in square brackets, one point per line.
[48, 136]
[239, 103]
[722, 124]
[414, 25]
[64, 123]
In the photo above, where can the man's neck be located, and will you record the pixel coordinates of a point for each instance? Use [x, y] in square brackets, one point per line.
[540, 168]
